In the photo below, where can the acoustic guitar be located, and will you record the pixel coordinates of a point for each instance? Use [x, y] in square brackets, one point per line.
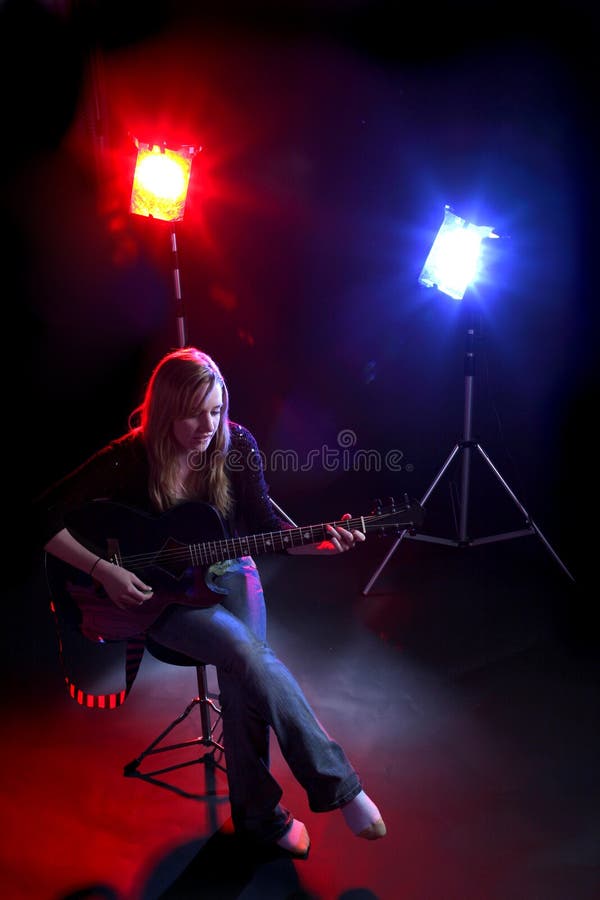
[171, 552]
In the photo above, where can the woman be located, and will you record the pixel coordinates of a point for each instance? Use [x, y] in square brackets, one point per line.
[181, 446]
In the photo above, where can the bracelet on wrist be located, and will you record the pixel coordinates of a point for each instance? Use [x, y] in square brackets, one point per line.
[95, 564]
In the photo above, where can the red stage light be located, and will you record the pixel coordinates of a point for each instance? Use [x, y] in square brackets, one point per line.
[160, 181]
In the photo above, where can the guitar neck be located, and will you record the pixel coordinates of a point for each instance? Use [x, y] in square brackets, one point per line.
[160, 549]
[268, 542]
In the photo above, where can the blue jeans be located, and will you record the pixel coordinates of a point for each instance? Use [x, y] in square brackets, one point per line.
[257, 693]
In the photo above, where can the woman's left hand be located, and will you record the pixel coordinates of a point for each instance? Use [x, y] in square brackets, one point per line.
[340, 539]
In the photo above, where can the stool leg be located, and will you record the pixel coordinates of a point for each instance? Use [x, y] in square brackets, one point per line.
[132, 766]
[205, 704]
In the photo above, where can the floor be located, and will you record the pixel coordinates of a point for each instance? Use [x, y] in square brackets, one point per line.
[463, 686]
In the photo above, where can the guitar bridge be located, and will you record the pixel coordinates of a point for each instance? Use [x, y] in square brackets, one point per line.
[113, 551]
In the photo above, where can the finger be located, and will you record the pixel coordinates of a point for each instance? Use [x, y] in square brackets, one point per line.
[346, 537]
[334, 537]
[140, 594]
[340, 543]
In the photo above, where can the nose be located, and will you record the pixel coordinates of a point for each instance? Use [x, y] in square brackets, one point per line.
[204, 422]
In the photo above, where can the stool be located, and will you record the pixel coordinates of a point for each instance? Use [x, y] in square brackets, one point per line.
[210, 717]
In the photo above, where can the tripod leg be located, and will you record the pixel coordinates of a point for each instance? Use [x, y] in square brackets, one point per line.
[378, 571]
[524, 512]
[423, 501]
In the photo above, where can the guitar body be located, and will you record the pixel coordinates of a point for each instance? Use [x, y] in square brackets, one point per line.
[165, 551]
[154, 547]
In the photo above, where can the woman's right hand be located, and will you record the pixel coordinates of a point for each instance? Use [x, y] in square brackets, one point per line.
[123, 587]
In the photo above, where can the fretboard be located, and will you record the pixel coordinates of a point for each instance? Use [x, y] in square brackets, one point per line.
[268, 542]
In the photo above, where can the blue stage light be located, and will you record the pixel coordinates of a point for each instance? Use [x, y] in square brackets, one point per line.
[453, 261]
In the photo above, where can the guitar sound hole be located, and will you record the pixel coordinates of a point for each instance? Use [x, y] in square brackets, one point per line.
[173, 558]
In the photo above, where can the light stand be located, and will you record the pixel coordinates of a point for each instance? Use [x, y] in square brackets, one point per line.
[465, 449]
[179, 311]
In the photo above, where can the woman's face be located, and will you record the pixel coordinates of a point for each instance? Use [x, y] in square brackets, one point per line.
[196, 432]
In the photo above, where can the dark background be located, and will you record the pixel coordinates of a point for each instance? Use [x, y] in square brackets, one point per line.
[333, 134]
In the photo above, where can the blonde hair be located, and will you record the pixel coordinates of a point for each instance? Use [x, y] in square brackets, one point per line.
[178, 381]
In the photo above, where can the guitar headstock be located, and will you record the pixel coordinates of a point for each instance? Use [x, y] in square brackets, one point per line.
[391, 518]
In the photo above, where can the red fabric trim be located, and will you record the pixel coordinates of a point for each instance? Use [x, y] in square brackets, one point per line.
[134, 653]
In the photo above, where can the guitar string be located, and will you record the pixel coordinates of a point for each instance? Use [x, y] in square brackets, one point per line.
[263, 540]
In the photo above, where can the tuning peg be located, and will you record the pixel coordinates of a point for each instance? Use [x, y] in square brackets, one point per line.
[391, 504]
[377, 506]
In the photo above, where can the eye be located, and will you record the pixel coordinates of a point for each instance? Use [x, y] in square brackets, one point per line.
[217, 411]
